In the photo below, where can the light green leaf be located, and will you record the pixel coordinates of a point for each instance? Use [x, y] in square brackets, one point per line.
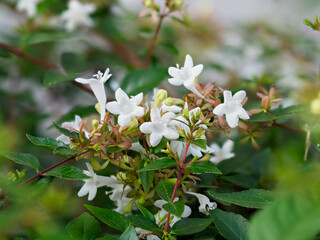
[262, 117]
[66, 152]
[48, 143]
[189, 226]
[232, 226]
[84, 227]
[109, 217]
[176, 208]
[129, 234]
[203, 167]
[67, 172]
[159, 164]
[252, 198]
[165, 190]
[144, 223]
[24, 159]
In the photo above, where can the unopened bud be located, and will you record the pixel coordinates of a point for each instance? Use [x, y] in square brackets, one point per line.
[97, 106]
[160, 97]
[173, 101]
[95, 124]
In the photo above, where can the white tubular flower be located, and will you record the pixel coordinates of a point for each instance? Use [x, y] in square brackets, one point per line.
[77, 14]
[186, 75]
[28, 6]
[97, 85]
[73, 125]
[232, 108]
[159, 127]
[205, 204]
[223, 153]
[141, 231]
[126, 108]
[173, 108]
[92, 184]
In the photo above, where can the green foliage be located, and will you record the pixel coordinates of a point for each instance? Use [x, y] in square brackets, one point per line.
[202, 143]
[176, 208]
[146, 212]
[314, 25]
[67, 172]
[48, 143]
[84, 227]
[129, 234]
[144, 223]
[262, 117]
[159, 164]
[25, 159]
[203, 167]
[80, 111]
[66, 152]
[66, 132]
[146, 179]
[165, 190]
[189, 226]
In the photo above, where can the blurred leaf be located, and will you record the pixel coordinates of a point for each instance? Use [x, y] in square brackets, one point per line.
[144, 223]
[109, 217]
[291, 109]
[80, 111]
[52, 79]
[42, 37]
[84, 227]
[243, 180]
[165, 190]
[67, 172]
[113, 149]
[143, 80]
[232, 226]
[146, 212]
[66, 152]
[73, 63]
[186, 23]
[262, 117]
[129, 234]
[159, 164]
[252, 198]
[203, 167]
[170, 48]
[189, 226]
[25, 159]
[314, 135]
[66, 132]
[176, 208]
[48, 143]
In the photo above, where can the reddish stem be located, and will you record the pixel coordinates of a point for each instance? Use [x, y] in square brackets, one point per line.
[181, 167]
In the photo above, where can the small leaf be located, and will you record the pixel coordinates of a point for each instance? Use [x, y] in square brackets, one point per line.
[129, 234]
[159, 164]
[189, 226]
[165, 190]
[146, 212]
[252, 198]
[203, 167]
[67, 172]
[66, 132]
[232, 226]
[48, 143]
[84, 227]
[109, 217]
[202, 143]
[24, 159]
[262, 117]
[146, 179]
[144, 223]
[66, 152]
[175, 208]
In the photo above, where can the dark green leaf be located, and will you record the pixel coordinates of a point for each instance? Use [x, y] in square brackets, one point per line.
[203, 167]
[175, 208]
[291, 109]
[146, 212]
[113, 149]
[244, 180]
[48, 143]
[24, 159]
[189, 226]
[109, 217]
[202, 143]
[66, 152]
[146, 179]
[42, 37]
[144, 223]
[165, 190]
[262, 117]
[84, 227]
[129, 234]
[73, 63]
[170, 48]
[66, 132]
[67, 172]
[52, 79]
[108, 238]
[159, 164]
[252, 198]
[232, 226]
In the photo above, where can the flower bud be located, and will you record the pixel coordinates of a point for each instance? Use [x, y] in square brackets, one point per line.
[97, 106]
[142, 200]
[95, 124]
[173, 101]
[160, 97]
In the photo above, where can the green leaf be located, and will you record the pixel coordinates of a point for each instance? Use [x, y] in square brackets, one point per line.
[80, 111]
[243, 180]
[170, 48]
[202, 143]
[292, 217]
[48, 143]
[67, 172]
[165, 190]
[52, 79]
[84, 227]
[291, 109]
[66, 152]
[203, 167]
[109, 217]
[66, 132]
[146, 212]
[232, 226]
[252, 198]
[146, 179]
[108, 238]
[42, 37]
[159, 164]
[143, 80]
[73, 63]
[129, 234]
[24, 159]
[262, 117]
[113, 149]
[176, 208]
[144, 223]
[189, 226]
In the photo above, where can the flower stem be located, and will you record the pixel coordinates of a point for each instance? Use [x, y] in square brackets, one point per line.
[41, 173]
[181, 167]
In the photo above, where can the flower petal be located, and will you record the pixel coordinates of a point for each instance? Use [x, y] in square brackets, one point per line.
[175, 81]
[84, 80]
[147, 127]
[227, 95]
[219, 110]
[92, 192]
[137, 99]
[83, 191]
[171, 134]
[196, 70]
[242, 113]
[173, 71]
[159, 203]
[123, 120]
[155, 114]
[187, 211]
[138, 111]
[121, 96]
[239, 96]
[155, 139]
[113, 107]
[100, 93]
[232, 120]
[227, 146]
[188, 63]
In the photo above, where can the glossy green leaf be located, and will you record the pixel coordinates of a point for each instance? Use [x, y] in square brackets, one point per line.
[232, 226]
[159, 164]
[252, 198]
[129, 234]
[48, 143]
[66, 152]
[165, 190]
[66, 132]
[243, 180]
[67, 172]
[176, 208]
[262, 117]
[84, 227]
[291, 109]
[144, 223]
[203, 167]
[189, 226]
[146, 212]
[24, 159]
[109, 217]
[146, 179]
[202, 143]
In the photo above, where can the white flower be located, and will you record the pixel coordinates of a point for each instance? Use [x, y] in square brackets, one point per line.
[159, 127]
[186, 75]
[78, 14]
[90, 186]
[223, 153]
[97, 85]
[141, 231]
[161, 214]
[205, 204]
[232, 108]
[73, 125]
[126, 108]
[173, 108]
[28, 6]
